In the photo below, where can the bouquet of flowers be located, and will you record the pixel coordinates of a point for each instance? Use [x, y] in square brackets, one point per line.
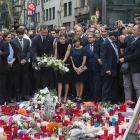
[70, 105]
[51, 62]
[43, 96]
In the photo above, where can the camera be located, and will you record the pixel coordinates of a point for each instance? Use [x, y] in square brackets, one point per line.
[115, 33]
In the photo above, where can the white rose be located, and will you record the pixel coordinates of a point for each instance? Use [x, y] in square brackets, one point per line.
[40, 96]
[39, 102]
[41, 91]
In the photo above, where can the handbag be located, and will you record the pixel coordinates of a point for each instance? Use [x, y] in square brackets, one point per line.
[83, 69]
[124, 68]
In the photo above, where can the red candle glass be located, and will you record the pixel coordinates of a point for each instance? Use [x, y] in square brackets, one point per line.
[122, 118]
[123, 131]
[105, 132]
[127, 120]
[116, 130]
[37, 135]
[111, 136]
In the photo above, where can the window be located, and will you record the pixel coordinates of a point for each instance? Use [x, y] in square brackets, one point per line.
[82, 2]
[50, 14]
[46, 0]
[65, 9]
[46, 14]
[53, 12]
[70, 8]
[38, 16]
[38, 2]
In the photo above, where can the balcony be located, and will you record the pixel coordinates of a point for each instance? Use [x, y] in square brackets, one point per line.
[81, 10]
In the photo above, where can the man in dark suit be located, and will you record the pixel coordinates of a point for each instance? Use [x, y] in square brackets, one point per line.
[42, 44]
[91, 64]
[63, 30]
[4, 52]
[79, 32]
[96, 52]
[55, 39]
[21, 65]
[109, 55]
[132, 56]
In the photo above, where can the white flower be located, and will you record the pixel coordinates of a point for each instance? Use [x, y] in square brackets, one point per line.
[46, 90]
[35, 101]
[66, 104]
[37, 95]
[40, 96]
[69, 101]
[41, 91]
[39, 102]
[74, 104]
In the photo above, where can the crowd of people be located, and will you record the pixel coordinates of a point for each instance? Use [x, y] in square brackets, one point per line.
[104, 62]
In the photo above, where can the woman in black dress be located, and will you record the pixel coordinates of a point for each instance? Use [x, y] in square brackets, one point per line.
[62, 49]
[78, 58]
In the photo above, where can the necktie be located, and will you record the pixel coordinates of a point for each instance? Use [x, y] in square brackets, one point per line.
[21, 44]
[116, 51]
[91, 49]
[44, 39]
[133, 40]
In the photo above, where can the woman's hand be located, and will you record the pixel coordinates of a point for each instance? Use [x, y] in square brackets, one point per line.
[80, 71]
[76, 69]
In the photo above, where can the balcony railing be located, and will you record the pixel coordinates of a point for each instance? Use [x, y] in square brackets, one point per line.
[81, 10]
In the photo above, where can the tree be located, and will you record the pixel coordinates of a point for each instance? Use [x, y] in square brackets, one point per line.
[43, 11]
[60, 13]
[9, 7]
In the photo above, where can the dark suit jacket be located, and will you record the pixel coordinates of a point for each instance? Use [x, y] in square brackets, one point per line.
[132, 54]
[84, 41]
[109, 59]
[4, 47]
[37, 49]
[90, 59]
[56, 40]
[97, 45]
[19, 53]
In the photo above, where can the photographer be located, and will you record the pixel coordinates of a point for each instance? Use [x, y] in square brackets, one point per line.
[132, 57]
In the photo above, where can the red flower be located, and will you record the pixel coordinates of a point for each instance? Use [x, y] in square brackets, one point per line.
[61, 109]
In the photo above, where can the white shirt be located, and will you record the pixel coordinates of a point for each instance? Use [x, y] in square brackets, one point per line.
[103, 38]
[20, 41]
[42, 37]
[82, 36]
[26, 37]
[115, 49]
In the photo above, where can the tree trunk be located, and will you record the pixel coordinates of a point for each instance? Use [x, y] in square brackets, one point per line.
[60, 13]
[43, 12]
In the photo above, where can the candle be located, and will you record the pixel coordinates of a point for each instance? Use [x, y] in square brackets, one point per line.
[127, 120]
[123, 131]
[117, 130]
[106, 132]
[111, 136]
[37, 135]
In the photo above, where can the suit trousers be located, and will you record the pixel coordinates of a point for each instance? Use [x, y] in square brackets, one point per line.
[91, 80]
[127, 84]
[10, 82]
[1, 95]
[110, 89]
[44, 78]
[98, 84]
[4, 92]
[21, 80]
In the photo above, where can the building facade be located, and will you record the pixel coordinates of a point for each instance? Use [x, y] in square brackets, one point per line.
[51, 8]
[82, 11]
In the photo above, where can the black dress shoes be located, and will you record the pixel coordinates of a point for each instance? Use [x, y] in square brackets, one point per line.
[25, 98]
